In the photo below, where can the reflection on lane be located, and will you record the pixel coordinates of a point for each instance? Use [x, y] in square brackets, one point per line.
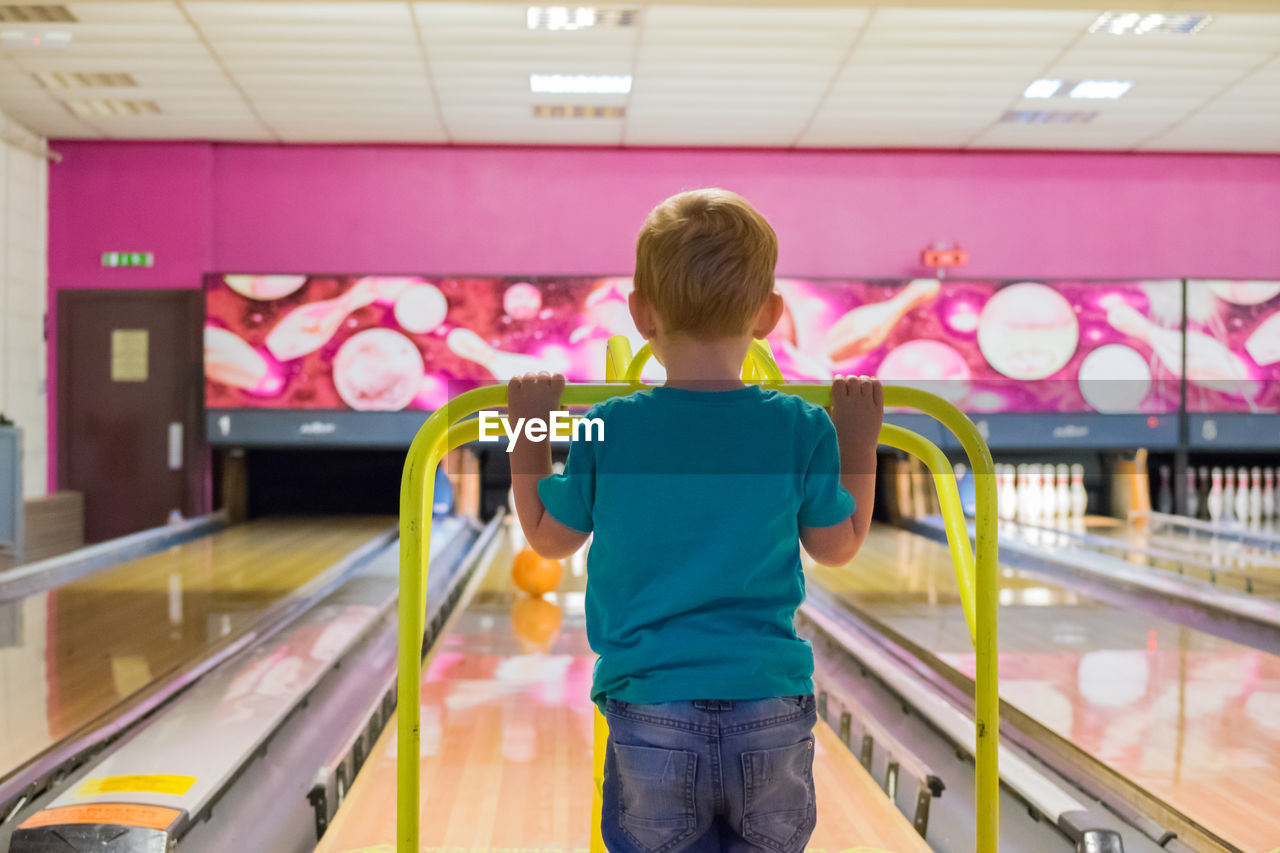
[1192, 718]
[1229, 563]
[73, 653]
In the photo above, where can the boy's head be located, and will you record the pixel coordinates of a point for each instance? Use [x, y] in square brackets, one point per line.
[705, 261]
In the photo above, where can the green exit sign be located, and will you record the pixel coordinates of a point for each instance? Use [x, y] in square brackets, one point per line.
[128, 259]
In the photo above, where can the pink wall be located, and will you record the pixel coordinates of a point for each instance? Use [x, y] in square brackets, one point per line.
[205, 207]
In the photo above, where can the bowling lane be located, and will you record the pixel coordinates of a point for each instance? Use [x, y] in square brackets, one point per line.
[1243, 565]
[1191, 718]
[75, 653]
[506, 739]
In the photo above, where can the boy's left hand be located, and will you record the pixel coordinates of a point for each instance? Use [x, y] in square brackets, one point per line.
[534, 395]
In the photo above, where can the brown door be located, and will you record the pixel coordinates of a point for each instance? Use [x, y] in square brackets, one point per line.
[129, 428]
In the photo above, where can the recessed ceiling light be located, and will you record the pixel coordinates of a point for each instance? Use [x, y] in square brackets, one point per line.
[1042, 88]
[1142, 23]
[577, 111]
[580, 84]
[578, 17]
[33, 14]
[34, 39]
[1101, 89]
[1048, 116]
[97, 107]
[83, 79]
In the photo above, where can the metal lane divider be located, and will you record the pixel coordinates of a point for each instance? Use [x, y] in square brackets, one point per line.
[976, 568]
[168, 776]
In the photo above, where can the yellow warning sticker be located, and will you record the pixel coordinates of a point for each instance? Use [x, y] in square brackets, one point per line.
[149, 817]
[138, 784]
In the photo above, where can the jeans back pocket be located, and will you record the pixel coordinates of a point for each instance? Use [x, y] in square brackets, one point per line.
[780, 810]
[656, 795]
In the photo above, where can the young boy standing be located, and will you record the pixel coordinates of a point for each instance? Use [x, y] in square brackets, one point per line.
[699, 496]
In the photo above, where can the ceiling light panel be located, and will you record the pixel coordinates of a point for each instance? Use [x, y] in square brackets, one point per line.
[83, 79]
[24, 13]
[594, 112]
[1149, 23]
[577, 18]
[580, 84]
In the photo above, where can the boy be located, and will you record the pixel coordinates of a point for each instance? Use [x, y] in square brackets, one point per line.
[698, 495]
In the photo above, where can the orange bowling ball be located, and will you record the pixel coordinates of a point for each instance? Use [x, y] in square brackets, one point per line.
[536, 622]
[534, 574]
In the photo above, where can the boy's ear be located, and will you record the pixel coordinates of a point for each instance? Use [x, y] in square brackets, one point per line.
[643, 315]
[768, 316]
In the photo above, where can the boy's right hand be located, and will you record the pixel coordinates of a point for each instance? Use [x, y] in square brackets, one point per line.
[857, 410]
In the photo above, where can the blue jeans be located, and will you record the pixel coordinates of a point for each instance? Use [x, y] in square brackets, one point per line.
[710, 775]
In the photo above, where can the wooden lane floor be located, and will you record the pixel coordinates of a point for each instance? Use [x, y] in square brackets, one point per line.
[76, 652]
[506, 742]
[1230, 563]
[1189, 717]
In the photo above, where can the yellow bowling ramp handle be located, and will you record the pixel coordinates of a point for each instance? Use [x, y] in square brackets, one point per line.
[442, 431]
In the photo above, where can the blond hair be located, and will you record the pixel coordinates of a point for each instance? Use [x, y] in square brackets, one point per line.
[705, 260]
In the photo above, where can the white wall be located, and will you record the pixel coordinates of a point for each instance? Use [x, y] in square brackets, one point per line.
[24, 221]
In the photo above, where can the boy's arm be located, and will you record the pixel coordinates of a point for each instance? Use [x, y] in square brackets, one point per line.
[534, 396]
[857, 410]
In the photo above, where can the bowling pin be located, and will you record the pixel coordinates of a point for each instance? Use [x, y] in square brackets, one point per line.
[1255, 494]
[1034, 500]
[1164, 498]
[1008, 494]
[1228, 494]
[865, 327]
[1193, 495]
[1268, 494]
[1217, 496]
[1079, 498]
[1064, 490]
[1048, 495]
[1021, 479]
[1242, 496]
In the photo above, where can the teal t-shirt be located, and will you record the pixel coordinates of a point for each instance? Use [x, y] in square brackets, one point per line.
[695, 500]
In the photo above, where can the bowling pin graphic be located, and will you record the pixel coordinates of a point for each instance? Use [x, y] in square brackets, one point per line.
[1079, 498]
[1268, 494]
[865, 327]
[1209, 362]
[1193, 496]
[503, 365]
[1255, 495]
[1064, 490]
[1164, 497]
[1263, 345]
[1228, 494]
[1242, 496]
[308, 327]
[1217, 496]
[229, 359]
